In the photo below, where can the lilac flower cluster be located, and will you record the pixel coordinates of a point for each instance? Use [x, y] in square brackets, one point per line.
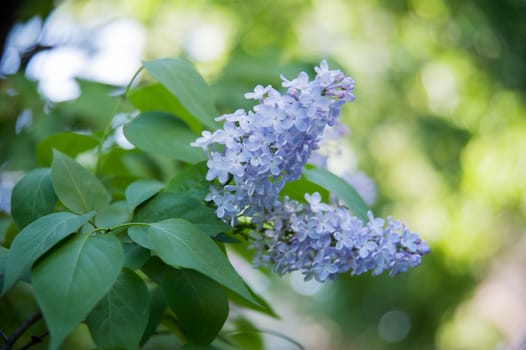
[263, 149]
[256, 152]
[322, 241]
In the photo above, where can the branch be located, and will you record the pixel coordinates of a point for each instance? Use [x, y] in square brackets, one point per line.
[35, 339]
[10, 341]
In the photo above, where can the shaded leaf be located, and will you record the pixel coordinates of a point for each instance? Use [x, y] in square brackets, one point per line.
[339, 188]
[114, 214]
[134, 255]
[181, 205]
[156, 311]
[3, 259]
[200, 303]
[71, 279]
[139, 234]
[191, 180]
[141, 190]
[77, 188]
[179, 243]
[296, 189]
[121, 316]
[32, 197]
[163, 134]
[66, 142]
[36, 239]
[185, 83]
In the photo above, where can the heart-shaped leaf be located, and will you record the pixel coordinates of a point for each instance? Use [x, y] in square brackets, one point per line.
[120, 317]
[185, 83]
[162, 133]
[72, 278]
[77, 188]
[200, 303]
[179, 243]
[32, 197]
[36, 239]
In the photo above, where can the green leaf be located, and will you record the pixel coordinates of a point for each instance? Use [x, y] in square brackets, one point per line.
[3, 259]
[112, 215]
[66, 142]
[139, 234]
[185, 83]
[200, 303]
[156, 97]
[191, 180]
[181, 205]
[262, 305]
[199, 347]
[179, 243]
[71, 279]
[339, 188]
[134, 255]
[36, 239]
[33, 196]
[296, 189]
[77, 188]
[161, 133]
[141, 190]
[157, 308]
[120, 317]
[246, 335]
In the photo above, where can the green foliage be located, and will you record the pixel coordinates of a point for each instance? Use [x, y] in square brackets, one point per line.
[200, 303]
[162, 133]
[73, 279]
[68, 143]
[141, 190]
[77, 188]
[195, 251]
[36, 239]
[121, 316]
[32, 197]
[190, 89]
[340, 188]
[115, 247]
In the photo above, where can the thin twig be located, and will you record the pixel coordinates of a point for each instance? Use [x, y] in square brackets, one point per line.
[10, 341]
[35, 339]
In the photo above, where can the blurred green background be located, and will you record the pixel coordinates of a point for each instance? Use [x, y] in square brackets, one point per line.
[439, 123]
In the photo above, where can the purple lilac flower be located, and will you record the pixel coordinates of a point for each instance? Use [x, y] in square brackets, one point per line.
[256, 152]
[322, 241]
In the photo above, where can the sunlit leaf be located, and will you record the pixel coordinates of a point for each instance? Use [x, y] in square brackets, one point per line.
[120, 317]
[32, 197]
[185, 83]
[36, 239]
[77, 188]
[179, 243]
[71, 279]
[339, 188]
[156, 97]
[163, 134]
[200, 303]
